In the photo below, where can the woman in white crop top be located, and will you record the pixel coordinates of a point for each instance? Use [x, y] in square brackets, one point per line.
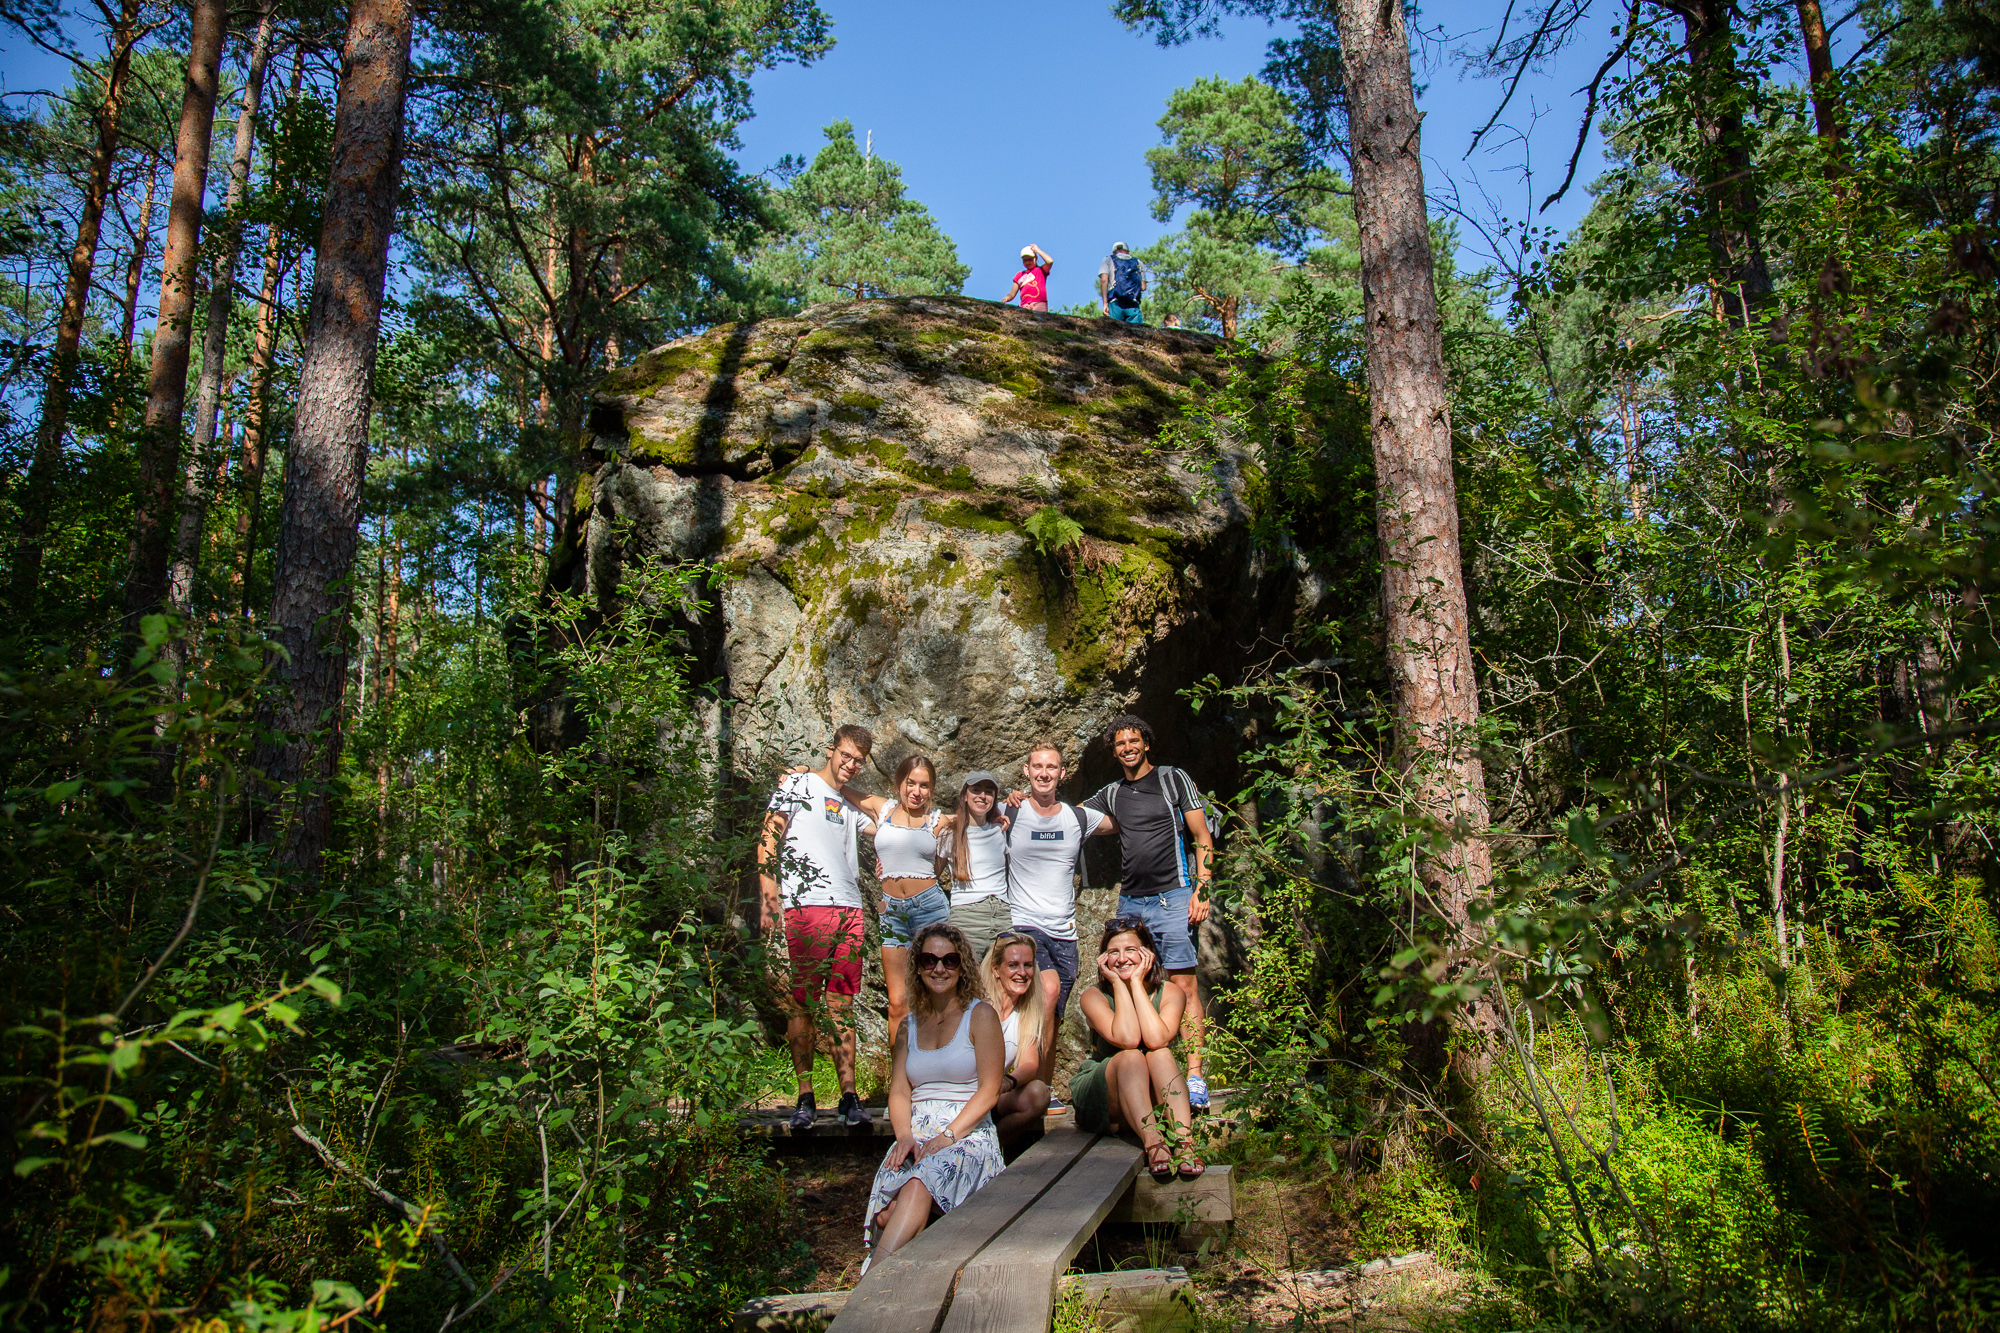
[950, 1056]
[907, 829]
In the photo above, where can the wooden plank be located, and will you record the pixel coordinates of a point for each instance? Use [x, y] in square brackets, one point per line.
[907, 1292]
[801, 1312]
[1209, 1197]
[1130, 1290]
[1010, 1287]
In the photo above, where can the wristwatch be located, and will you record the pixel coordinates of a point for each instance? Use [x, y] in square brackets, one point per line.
[946, 1132]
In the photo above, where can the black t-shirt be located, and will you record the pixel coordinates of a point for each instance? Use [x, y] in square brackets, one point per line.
[1148, 842]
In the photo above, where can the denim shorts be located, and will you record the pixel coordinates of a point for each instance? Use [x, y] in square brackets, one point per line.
[902, 918]
[1165, 914]
[1057, 956]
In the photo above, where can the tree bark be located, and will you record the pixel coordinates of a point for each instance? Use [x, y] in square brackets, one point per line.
[135, 271]
[1423, 591]
[39, 490]
[256, 440]
[215, 337]
[318, 525]
[166, 398]
[1819, 75]
[1742, 277]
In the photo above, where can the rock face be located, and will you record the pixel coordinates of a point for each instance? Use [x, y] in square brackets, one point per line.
[869, 479]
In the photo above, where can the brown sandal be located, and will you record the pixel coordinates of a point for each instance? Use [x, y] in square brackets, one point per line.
[1162, 1167]
[1189, 1167]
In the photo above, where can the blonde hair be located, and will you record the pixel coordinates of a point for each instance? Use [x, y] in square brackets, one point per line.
[1032, 1008]
[1053, 747]
[970, 988]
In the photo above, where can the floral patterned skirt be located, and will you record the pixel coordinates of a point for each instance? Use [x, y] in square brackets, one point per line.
[951, 1174]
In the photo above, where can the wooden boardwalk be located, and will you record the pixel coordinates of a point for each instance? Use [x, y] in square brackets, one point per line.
[993, 1264]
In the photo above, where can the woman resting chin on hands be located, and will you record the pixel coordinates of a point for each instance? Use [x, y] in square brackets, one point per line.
[950, 1057]
[1135, 1018]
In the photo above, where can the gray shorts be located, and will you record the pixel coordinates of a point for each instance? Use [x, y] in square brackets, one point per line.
[982, 921]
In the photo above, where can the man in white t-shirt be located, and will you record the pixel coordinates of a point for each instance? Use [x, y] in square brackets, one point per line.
[809, 871]
[1044, 855]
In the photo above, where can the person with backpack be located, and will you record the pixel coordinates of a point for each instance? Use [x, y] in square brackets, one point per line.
[1121, 286]
[1166, 848]
[1045, 838]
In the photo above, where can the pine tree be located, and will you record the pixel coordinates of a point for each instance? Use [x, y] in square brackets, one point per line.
[849, 232]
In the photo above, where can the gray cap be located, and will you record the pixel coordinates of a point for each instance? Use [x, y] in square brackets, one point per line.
[977, 776]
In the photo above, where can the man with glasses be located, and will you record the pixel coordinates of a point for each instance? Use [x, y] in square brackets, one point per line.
[809, 872]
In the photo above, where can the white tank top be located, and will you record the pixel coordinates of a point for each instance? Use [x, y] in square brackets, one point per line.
[948, 1074]
[906, 853]
[1010, 1032]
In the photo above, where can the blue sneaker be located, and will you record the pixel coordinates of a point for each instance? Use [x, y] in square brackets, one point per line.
[1055, 1107]
[1197, 1092]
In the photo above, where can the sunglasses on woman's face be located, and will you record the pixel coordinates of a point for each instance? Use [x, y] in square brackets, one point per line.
[933, 962]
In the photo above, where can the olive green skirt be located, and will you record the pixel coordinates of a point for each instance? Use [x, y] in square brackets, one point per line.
[1090, 1095]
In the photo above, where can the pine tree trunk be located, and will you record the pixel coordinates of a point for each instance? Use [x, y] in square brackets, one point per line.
[318, 525]
[1423, 591]
[39, 490]
[135, 271]
[1742, 277]
[256, 441]
[166, 399]
[215, 337]
[1819, 72]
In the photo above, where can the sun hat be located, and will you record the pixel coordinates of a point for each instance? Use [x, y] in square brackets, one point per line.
[1121, 247]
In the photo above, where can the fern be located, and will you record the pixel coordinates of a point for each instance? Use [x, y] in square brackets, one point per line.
[1053, 530]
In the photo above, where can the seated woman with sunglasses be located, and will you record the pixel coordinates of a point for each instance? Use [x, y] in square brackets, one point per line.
[1135, 1018]
[1009, 973]
[950, 1057]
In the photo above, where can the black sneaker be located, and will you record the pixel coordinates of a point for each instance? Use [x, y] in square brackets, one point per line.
[852, 1113]
[802, 1116]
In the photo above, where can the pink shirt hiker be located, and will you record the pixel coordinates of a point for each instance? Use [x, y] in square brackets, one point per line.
[1034, 284]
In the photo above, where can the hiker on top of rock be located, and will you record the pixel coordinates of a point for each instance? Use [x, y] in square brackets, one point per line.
[1166, 850]
[950, 1061]
[809, 874]
[1032, 282]
[1121, 285]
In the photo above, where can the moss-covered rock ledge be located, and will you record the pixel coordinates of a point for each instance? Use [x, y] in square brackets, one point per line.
[861, 475]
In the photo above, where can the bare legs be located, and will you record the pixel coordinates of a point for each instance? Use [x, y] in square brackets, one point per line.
[896, 985]
[907, 1214]
[1139, 1081]
[1194, 1022]
[1019, 1111]
[801, 1034]
[1050, 981]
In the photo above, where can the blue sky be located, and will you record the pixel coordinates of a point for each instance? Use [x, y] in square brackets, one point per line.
[1030, 121]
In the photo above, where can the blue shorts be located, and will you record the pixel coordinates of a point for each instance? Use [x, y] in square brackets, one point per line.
[1124, 314]
[1057, 956]
[1165, 914]
[902, 918]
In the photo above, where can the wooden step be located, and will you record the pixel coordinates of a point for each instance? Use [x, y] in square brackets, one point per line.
[1116, 1298]
[905, 1292]
[1010, 1285]
[1209, 1197]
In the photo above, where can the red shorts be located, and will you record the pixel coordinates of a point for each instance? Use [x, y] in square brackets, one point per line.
[825, 944]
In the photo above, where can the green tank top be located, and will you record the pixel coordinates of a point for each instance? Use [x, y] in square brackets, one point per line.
[1101, 1049]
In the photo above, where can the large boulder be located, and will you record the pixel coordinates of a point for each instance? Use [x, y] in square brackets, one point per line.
[867, 479]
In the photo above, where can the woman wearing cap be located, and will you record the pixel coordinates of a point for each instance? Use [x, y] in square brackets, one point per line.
[974, 842]
[1032, 282]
